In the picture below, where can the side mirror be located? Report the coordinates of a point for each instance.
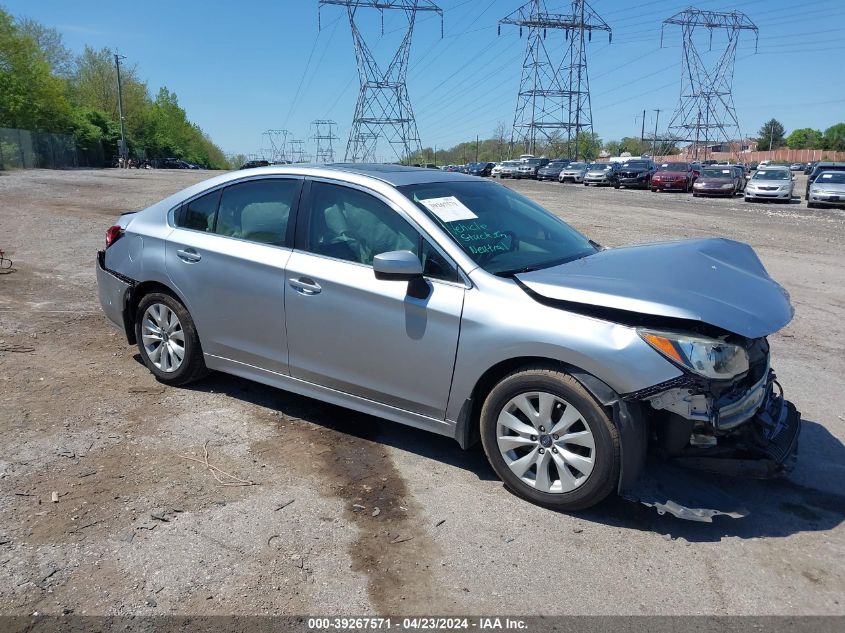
(397, 266)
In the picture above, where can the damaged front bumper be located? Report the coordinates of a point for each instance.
(763, 445)
(752, 431)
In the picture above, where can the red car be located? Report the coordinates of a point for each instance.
(680, 176)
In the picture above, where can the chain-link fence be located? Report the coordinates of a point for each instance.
(24, 149)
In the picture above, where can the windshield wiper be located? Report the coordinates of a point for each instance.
(549, 264)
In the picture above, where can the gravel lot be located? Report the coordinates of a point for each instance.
(139, 529)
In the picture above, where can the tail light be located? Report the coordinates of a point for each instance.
(113, 234)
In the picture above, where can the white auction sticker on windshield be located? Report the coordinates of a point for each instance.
(448, 209)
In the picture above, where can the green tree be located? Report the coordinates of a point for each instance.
(834, 137)
(30, 96)
(586, 146)
(804, 138)
(770, 135)
(49, 40)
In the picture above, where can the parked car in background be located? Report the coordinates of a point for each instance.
(173, 163)
(635, 173)
(828, 189)
(252, 164)
(455, 305)
(820, 168)
(808, 168)
(753, 165)
(480, 169)
(601, 174)
(507, 168)
(573, 172)
(552, 170)
(528, 167)
(742, 173)
(718, 181)
(797, 167)
(677, 176)
(770, 183)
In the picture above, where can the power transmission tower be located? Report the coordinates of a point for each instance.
(325, 137)
(274, 146)
(706, 114)
(384, 108)
(296, 151)
(554, 95)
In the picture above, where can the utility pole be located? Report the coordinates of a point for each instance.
(642, 134)
(123, 151)
(654, 140)
(476, 148)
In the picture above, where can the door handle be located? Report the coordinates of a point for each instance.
(188, 255)
(305, 285)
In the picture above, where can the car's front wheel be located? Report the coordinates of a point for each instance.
(167, 340)
(549, 440)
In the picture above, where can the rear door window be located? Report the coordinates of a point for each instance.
(199, 213)
(258, 210)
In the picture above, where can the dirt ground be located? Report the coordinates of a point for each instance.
(140, 529)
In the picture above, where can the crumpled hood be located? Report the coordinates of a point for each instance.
(715, 281)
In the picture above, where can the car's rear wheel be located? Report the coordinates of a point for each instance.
(167, 340)
(549, 441)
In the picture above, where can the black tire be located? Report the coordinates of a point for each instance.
(812, 205)
(603, 478)
(616, 186)
(192, 367)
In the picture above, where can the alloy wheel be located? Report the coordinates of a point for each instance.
(163, 337)
(546, 442)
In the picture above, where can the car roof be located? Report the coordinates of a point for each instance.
(395, 175)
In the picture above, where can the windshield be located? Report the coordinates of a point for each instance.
(772, 174)
(600, 167)
(831, 177)
(556, 165)
(500, 230)
(577, 166)
(635, 164)
(717, 173)
(531, 161)
(673, 167)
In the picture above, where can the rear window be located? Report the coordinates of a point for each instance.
(198, 214)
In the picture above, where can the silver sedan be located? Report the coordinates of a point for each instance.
(770, 184)
(453, 304)
(828, 189)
